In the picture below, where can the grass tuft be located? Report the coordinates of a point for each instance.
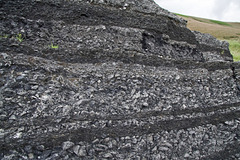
(234, 46)
(19, 37)
(3, 36)
(54, 46)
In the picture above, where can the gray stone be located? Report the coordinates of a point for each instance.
(40, 147)
(28, 149)
(2, 133)
(229, 122)
(31, 156)
(107, 155)
(76, 149)
(80, 151)
(13, 117)
(110, 76)
(100, 147)
(186, 155)
(66, 145)
(45, 154)
(1, 103)
(207, 42)
(113, 79)
(163, 148)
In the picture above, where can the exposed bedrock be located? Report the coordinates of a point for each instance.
(113, 79)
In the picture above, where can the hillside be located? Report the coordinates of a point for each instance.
(229, 31)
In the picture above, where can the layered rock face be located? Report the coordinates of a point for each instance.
(113, 79)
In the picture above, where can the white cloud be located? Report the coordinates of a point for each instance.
(220, 8)
(225, 10)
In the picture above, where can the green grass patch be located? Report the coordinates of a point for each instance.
(220, 23)
(234, 46)
(54, 46)
(3, 36)
(199, 19)
(182, 15)
(19, 37)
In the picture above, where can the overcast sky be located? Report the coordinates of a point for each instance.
(223, 10)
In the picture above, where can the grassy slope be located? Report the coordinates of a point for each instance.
(228, 31)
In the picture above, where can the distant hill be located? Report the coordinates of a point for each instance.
(229, 31)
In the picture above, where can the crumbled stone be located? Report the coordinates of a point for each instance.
(31, 156)
(107, 155)
(163, 148)
(66, 145)
(186, 155)
(18, 135)
(145, 104)
(80, 151)
(113, 79)
(13, 117)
